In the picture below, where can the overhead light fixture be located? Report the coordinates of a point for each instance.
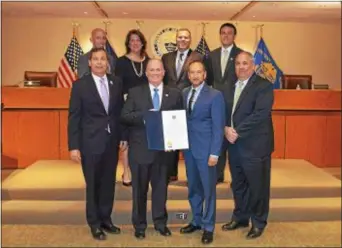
(85, 12)
(253, 16)
(124, 13)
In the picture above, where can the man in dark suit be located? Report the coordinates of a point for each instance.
(98, 39)
(221, 71)
(148, 165)
(176, 65)
(249, 130)
(206, 120)
(94, 137)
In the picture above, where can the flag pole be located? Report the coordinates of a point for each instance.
(139, 24)
(74, 30)
(106, 23)
(203, 32)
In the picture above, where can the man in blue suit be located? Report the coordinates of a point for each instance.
(249, 130)
(206, 119)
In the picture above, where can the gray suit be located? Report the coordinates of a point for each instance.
(215, 78)
(170, 78)
(83, 64)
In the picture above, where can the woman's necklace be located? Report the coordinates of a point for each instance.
(140, 73)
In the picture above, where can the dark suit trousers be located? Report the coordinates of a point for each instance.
(142, 175)
(221, 163)
(251, 188)
(172, 158)
(99, 171)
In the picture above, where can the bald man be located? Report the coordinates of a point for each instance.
(149, 166)
(249, 131)
(98, 39)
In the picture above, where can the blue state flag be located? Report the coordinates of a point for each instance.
(110, 50)
(266, 67)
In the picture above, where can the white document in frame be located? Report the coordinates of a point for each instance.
(175, 130)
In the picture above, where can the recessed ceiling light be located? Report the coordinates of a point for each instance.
(124, 13)
(85, 12)
(253, 16)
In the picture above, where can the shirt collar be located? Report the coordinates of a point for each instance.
(244, 82)
(152, 87)
(227, 49)
(184, 52)
(199, 88)
(97, 78)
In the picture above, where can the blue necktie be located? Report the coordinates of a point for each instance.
(155, 99)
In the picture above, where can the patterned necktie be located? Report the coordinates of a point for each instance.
(237, 94)
(179, 64)
(224, 60)
(104, 94)
(191, 101)
(155, 99)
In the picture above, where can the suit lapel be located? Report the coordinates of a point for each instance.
(165, 97)
(200, 97)
(185, 64)
(245, 91)
(93, 88)
(218, 62)
(111, 92)
(173, 63)
(147, 95)
(230, 62)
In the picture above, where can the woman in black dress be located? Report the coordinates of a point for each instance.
(131, 69)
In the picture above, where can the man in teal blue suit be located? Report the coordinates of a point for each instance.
(206, 120)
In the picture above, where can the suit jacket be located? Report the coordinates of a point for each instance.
(88, 119)
(138, 102)
(252, 118)
(214, 73)
(169, 61)
(205, 123)
(83, 64)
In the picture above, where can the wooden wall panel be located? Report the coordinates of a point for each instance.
(63, 134)
(279, 134)
(38, 136)
(332, 149)
(9, 139)
(305, 136)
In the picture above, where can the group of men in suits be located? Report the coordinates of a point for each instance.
(228, 107)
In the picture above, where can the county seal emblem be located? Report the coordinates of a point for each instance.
(164, 41)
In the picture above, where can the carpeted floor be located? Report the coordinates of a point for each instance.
(300, 234)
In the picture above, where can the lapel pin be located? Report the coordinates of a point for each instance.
(110, 82)
(166, 95)
(231, 58)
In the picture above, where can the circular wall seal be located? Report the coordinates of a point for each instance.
(164, 41)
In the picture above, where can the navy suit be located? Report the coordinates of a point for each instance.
(205, 132)
(88, 132)
(250, 156)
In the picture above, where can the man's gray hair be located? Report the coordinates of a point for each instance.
(249, 54)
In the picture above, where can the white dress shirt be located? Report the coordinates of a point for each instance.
(160, 91)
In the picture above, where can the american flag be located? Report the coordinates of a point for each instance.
(203, 47)
(66, 74)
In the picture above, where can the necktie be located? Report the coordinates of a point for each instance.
(155, 99)
(237, 94)
(104, 94)
(191, 101)
(179, 64)
(224, 60)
